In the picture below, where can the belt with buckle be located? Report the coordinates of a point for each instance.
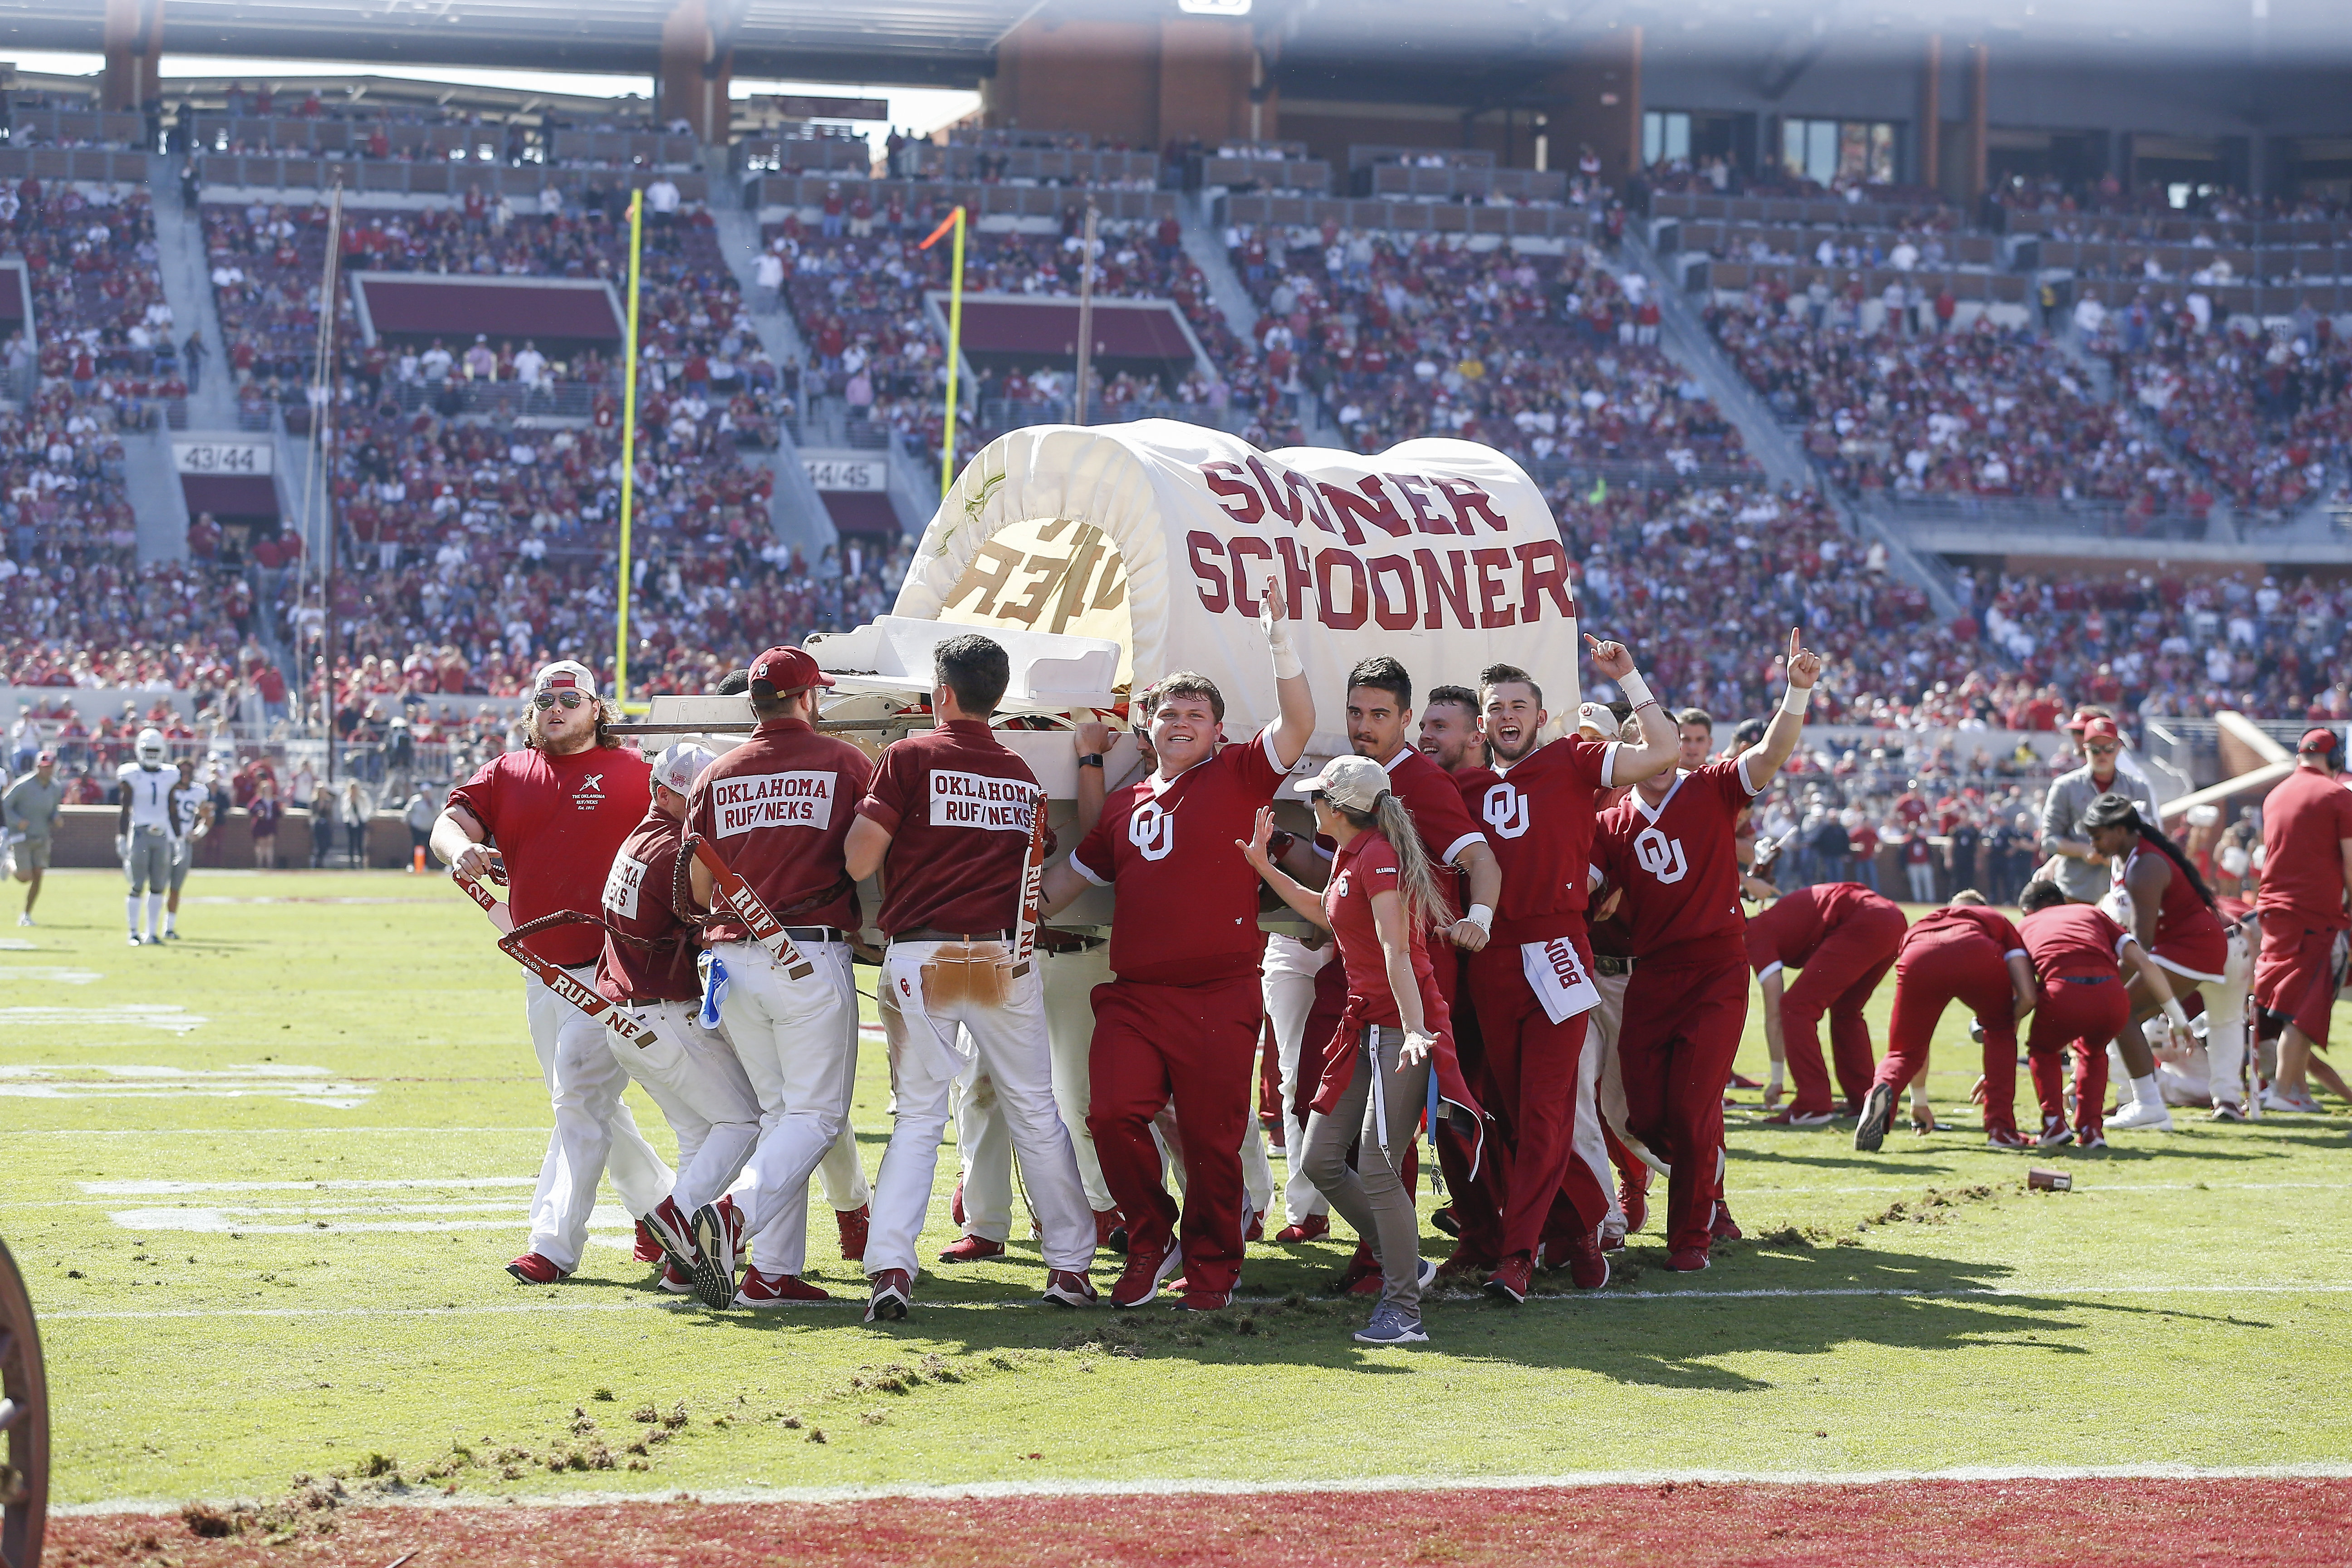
(1610, 964)
(924, 933)
(816, 933)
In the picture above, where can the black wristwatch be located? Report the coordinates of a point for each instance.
(1090, 760)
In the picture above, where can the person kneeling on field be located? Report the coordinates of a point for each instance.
(1380, 903)
(1971, 953)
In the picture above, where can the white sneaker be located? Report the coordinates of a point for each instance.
(2139, 1116)
(24, 920)
(135, 942)
(2274, 1100)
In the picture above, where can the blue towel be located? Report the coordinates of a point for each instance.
(714, 987)
(1432, 1112)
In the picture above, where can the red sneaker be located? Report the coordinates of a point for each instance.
(672, 1232)
(973, 1249)
(1587, 1269)
(1689, 1260)
(776, 1290)
(1510, 1279)
(1144, 1273)
(955, 1205)
(1106, 1226)
(676, 1280)
(1360, 1268)
(1724, 1227)
(1633, 1197)
(1741, 1080)
(854, 1225)
(893, 1294)
(1256, 1231)
(1446, 1221)
(2006, 1138)
(530, 1269)
(1204, 1301)
(1792, 1117)
(1308, 1229)
(1068, 1288)
(649, 1246)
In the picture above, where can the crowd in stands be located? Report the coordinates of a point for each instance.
(1542, 356)
(104, 325)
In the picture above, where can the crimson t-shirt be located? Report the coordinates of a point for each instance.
(637, 903)
(1167, 845)
(558, 822)
(1365, 869)
(2305, 820)
(1433, 798)
(777, 808)
(958, 806)
(2071, 939)
(1963, 922)
(1678, 863)
(1788, 932)
(1539, 813)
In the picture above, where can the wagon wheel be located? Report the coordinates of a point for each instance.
(24, 1415)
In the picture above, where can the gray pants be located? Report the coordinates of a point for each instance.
(1370, 1198)
(149, 864)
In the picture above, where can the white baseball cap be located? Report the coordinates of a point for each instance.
(1350, 782)
(564, 674)
(680, 763)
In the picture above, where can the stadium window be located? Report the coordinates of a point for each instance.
(1826, 150)
(1665, 135)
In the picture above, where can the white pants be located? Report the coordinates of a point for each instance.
(1601, 1091)
(1010, 1044)
(694, 1075)
(2216, 1073)
(982, 1142)
(797, 1040)
(593, 1132)
(1288, 980)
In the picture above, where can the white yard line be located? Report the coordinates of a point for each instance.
(1575, 1480)
(1962, 1292)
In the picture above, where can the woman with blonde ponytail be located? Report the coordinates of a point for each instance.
(1380, 904)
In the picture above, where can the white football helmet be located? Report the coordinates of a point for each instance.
(149, 749)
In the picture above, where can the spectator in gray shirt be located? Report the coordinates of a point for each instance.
(28, 814)
(2083, 871)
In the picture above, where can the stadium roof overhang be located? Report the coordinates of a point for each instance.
(1469, 52)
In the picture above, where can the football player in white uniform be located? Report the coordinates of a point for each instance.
(192, 818)
(143, 831)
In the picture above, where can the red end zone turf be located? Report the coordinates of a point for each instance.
(2280, 1522)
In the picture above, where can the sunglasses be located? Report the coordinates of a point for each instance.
(547, 699)
(2103, 751)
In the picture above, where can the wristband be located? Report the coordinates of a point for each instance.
(1482, 916)
(2177, 1013)
(1636, 689)
(1796, 700)
(1090, 760)
(1287, 666)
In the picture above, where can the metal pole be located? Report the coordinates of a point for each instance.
(1086, 320)
(318, 526)
(628, 449)
(955, 342)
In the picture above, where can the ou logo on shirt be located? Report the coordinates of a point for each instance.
(1152, 831)
(1660, 856)
(1505, 810)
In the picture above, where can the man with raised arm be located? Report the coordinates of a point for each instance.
(1179, 1017)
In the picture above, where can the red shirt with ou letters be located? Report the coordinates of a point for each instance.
(2071, 939)
(558, 822)
(2306, 820)
(1539, 813)
(1791, 931)
(1432, 799)
(777, 808)
(1678, 863)
(1167, 845)
(637, 892)
(959, 806)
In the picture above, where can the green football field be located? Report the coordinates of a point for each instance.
(263, 1181)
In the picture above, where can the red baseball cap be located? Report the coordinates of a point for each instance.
(2321, 742)
(787, 669)
(2101, 730)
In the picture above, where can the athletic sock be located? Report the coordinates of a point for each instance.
(154, 913)
(2147, 1093)
(171, 921)
(130, 909)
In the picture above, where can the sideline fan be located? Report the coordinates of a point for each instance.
(2306, 874)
